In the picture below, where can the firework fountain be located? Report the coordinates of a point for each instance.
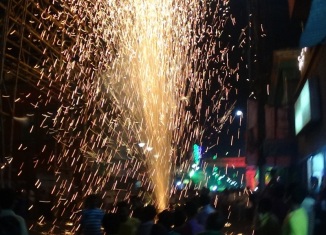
(147, 79)
(124, 73)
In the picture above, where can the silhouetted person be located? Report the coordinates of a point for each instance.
(191, 226)
(10, 223)
(164, 224)
(111, 223)
(321, 209)
(309, 204)
(136, 206)
(296, 221)
(147, 220)
(214, 224)
(267, 223)
(128, 225)
(92, 216)
(280, 208)
(205, 210)
(180, 217)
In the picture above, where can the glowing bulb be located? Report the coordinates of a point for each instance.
(213, 188)
(239, 113)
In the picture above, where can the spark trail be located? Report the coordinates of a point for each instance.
(148, 78)
(121, 73)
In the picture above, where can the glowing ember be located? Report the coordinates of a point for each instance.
(134, 84)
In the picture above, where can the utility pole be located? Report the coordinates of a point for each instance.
(258, 76)
(3, 44)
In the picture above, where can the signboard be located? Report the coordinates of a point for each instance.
(227, 161)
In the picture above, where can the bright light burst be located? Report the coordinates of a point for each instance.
(123, 73)
(147, 78)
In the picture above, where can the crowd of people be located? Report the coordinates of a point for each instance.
(290, 209)
(279, 209)
(196, 216)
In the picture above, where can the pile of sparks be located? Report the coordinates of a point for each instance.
(128, 73)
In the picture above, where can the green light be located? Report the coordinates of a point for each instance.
(213, 188)
(214, 157)
(186, 181)
(215, 171)
(196, 153)
(197, 176)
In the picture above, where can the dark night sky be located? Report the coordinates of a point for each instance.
(279, 32)
(232, 37)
